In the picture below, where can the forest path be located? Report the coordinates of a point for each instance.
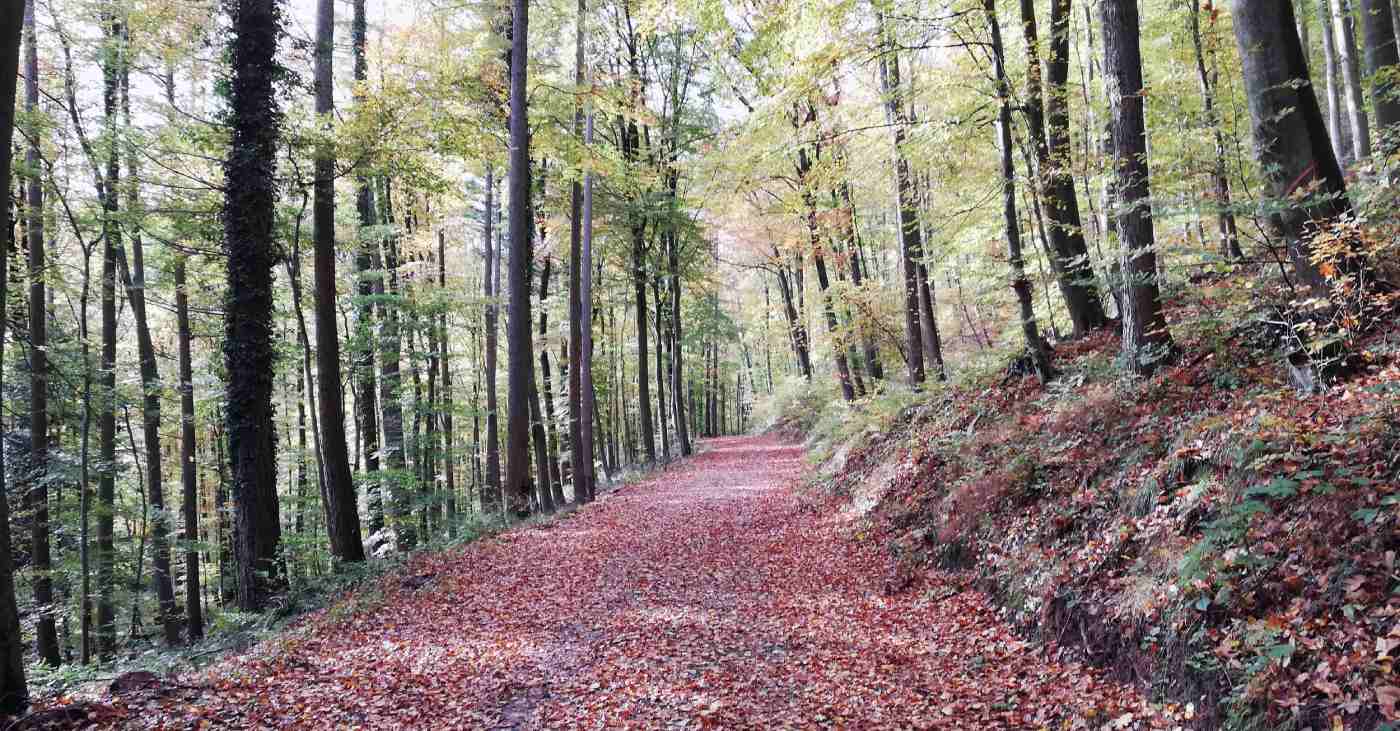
(709, 595)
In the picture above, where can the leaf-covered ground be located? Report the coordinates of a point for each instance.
(711, 595)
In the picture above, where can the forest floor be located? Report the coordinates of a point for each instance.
(716, 594)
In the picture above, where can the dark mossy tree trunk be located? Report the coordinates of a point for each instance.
(520, 365)
(14, 692)
(366, 262)
(491, 496)
(1225, 216)
(249, 351)
(1035, 348)
(338, 486)
(37, 500)
(1070, 252)
(1146, 340)
(194, 614)
(1290, 138)
(106, 613)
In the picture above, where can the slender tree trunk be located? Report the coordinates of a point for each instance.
(911, 245)
(14, 692)
(37, 499)
(550, 425)
(449, 436)
(1336, 123)
(1146, 340)
(391, 378)
(338, 488)
(1039, 359)
(107, 422)
(249, 350)
(658, 328)
(639, 291)
(1344, 25)
(580, 449)
(194, 616)
(491, 500)
(366, 264)
(1225, 217)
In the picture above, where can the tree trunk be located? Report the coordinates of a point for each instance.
(37, 499)
(911, 245)
(366, 263)
(639, 292)
(1336, 123)
(390, 376)
(249, 351)
(491, 498)
(519, 368)
(1146, 340)
(1047, 123)
(1290, 138)
(1225, 217)
(194, 616)
(449, 450)
(1381, 59)
(1344, 25)
(580, 449)
(1039, 359)
(338, 488)
(14, 692)
(550, 425)
(106, 615)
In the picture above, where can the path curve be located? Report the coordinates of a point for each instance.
(710, 595)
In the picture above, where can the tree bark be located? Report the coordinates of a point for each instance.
(1146, 340)
(194, 615)
(911, 245)
(366, 262)
(1381, 60)
(1336, 123)
(1344, 25)
(449, 447)
(1047, 121)
(1225, 217)
(37, 499)
(491, 501)
(249, 352)
(580, 451)
(107, 421)
(338, 488)
(390, 376)
(1039, 359)
(1290, 138)
(518, 338)
(14, 692)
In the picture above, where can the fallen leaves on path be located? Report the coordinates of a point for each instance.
(709, 596)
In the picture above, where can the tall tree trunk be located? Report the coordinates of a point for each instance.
(677, 374)
(550, 425)
(1047, 124)
(1225, 217)
(588, 399)
(1344, 25)
(366, 263)
(107, 422)
(37, 499)
(449, 450)
(658, 328)
(249, 352)
(911, 244)
(580, 450)
(1289, 135)
(639, 298)
(1336, 115)
(491, 500)
(797, 330)
(1381, 60)
(338, 488)
(194, 615)
(1039, 359)
(1146, 340)
(14, 692)
(518, 339)
(390, 377)
(870, 348)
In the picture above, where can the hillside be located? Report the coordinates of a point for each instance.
(1210, 534)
